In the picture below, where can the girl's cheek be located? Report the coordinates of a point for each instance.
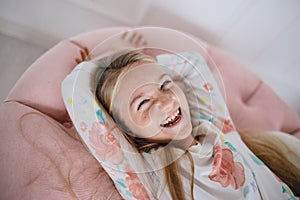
(149, 117)
(145, 118)
(141, 119)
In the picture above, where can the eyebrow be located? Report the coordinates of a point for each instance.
(136, 98)
(163, 75)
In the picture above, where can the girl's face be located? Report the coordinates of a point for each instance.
(151, 105)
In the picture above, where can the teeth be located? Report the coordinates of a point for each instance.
(171, 118)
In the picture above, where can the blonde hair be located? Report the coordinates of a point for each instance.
(110, 70)
(268, 147)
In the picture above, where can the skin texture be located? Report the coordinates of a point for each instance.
(145, 97)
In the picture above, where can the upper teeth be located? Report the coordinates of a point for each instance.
(171, 118)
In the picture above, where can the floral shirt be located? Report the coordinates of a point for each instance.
(224, 166)
(227, 169)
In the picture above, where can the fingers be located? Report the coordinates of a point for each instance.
(124, 35)
(134, 39)
(128, 39)
(77, 60)
(84, 55)
(138, 40)
(144, 44)
(131, 39)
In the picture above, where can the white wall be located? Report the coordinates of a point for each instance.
(262, 34)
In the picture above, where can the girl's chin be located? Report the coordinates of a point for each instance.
(184, 143)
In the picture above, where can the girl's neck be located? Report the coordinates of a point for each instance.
(185, 143)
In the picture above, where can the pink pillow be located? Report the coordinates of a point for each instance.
(39, 87)
(252, 104)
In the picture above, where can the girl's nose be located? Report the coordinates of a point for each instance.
(167, 102)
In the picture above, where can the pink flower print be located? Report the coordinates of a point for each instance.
(105, 144)
(225, 170)
(211, 108)
(136, 187)
(83, 126)
(208, 87)
(227, 126)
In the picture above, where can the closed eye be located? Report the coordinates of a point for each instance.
(165, 83)
(142, 103)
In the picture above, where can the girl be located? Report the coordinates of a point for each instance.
(154, 115)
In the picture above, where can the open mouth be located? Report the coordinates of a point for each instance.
(172, 120)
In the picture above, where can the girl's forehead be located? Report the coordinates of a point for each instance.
(142, 73)
(135, 78)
